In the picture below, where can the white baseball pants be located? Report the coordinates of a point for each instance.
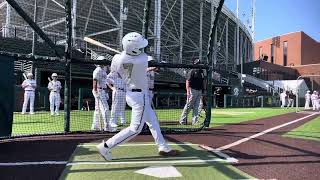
(141, 113)
(101, 107)
(283, 102)
(151, 94)
(290, 103)
(315, 104)
(118, 106)
(307, 104)
(28, 95)
(55, 101)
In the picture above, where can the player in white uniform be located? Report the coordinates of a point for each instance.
(29, 86)
(314, 100)
(132, 65)
(283, 96)
(101, 97)
(307, 99)
(150, 76)
(54, 87)
(118, 99)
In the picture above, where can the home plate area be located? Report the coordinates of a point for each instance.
(141, 161)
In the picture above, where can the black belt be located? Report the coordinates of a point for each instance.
(136, 90)
(29, 90)
(121, 89)
(102, 88)
(53, 91)
(151, 89)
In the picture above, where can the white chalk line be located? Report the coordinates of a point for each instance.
(219, 153)
(143, 144)
(195, 161)
(227, 158)
(261, 133)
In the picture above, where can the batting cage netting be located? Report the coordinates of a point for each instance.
(47, 113)
(52, 54)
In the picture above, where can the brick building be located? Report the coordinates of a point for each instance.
(292, 49)
(296, 51)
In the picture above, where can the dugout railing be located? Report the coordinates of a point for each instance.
(168, 102)
(231, 101)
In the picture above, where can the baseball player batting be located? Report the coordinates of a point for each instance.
(132, 65)
(118, 99)
(29, 86)
(54, 87)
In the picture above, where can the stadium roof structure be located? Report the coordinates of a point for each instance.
(173, 37)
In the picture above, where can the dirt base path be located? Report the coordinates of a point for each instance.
(269, 156)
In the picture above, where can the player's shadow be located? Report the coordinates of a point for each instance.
(183, 155)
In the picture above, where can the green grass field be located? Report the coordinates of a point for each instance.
(309, 130)
(43, 123)
(192, 163)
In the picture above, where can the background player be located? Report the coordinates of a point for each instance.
(118, 99)
(132, 65)
(307, 97)
(150, 76)
(54, 87)
(29, 86)
(99, 91)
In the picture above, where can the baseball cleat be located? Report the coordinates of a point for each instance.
(172, 152)
(31, 113)
(95, 128)
(104, 152)
(110, 129)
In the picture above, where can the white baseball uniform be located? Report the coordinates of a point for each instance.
(314, 100)
(118, 99)
(307, 104)
(133, 70)
(29, 88)
(54, 87)
(283, 96)
(150, 75)
(101, 99)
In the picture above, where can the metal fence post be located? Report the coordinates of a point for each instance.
(225, 101)
(67, 58)
(80, 99)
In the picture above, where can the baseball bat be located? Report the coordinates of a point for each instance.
(49, 79)
(24, 75)
(97, 43)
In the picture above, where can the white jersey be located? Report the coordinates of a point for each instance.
(54, 86)
(314, 97)
(283, 95)
(100, 75)
(150, 75)
(116, 80)
(133, 69)
(308, 96)
(29, 85)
